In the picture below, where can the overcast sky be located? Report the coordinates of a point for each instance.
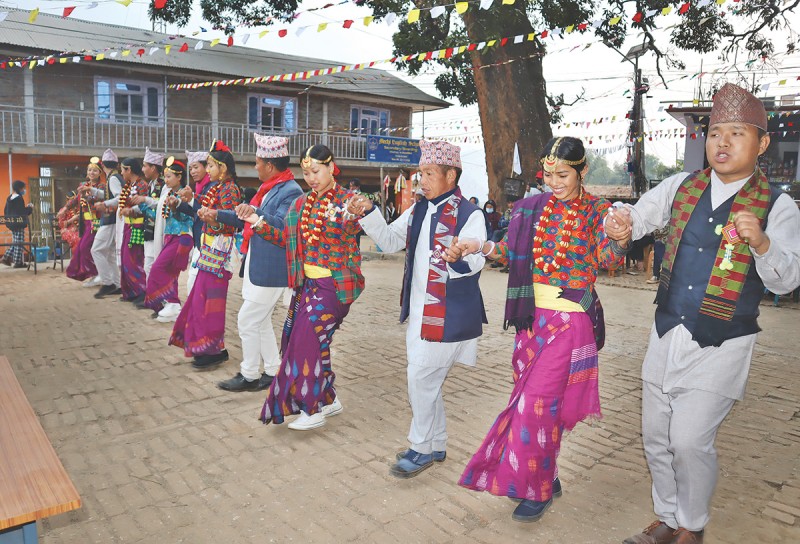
(597, 72)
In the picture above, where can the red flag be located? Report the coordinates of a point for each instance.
(68, 11)
(184, 48)
(638, 17)
(160, 4)
(89, 57)
(582, 27)
(503, 42)
(51, 61)
(348, 23)
(3, 65)
(544, 34)
(140, 52)
(282, 32)
(24, 63)
(694, 136)
(684, 8)
(230, 41)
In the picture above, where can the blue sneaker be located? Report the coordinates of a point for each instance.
(438, 456)
(528, 511)
(411, 464)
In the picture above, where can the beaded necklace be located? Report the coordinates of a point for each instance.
(564, 244)
(165, 208)
(123, 195)
(211, 196)
(320, 208)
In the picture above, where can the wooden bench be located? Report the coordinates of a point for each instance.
(33, 482)
(28, 247)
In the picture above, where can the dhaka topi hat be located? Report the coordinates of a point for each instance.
(152, 157)
(271, 147)
(196, 156)
(732, 104)
(110, 156)
(439, 152)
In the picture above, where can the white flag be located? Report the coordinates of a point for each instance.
(516, 167)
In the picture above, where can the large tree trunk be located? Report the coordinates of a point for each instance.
(512, 98)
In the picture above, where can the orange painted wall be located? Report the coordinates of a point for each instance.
(23, 167)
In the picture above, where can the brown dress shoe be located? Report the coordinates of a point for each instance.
(685, 536)
(657, 532)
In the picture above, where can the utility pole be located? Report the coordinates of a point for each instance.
(637, 132)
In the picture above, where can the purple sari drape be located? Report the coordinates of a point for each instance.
(81, 266)
(305, 379)
(162, 283)
(132, 276)
(200, 327)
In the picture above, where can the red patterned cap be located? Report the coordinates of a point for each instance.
(732, 104)
(271, 147)
(439, 152)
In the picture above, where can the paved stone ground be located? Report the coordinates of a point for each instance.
(160, 455)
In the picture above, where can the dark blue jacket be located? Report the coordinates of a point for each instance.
(267, 261)
(191, 211)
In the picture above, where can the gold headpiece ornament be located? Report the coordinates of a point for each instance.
(308, 160)
(95, 161)
(173, 161)
(550, 161)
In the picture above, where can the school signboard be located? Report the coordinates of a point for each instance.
(388, 149)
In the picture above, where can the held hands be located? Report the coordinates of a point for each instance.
(173, 202)
(252, 218)
(619, 225)
(135, 200)
(244, 210)
(461, 248)
(748, 227)
(207, 215)
(125, 212)
(100, 207)
(186, 194)
(359, 205)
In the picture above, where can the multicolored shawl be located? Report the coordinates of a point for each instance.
(724, 286)
(436, 290)
(520, 301)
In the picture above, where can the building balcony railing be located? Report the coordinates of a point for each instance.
(43, 128)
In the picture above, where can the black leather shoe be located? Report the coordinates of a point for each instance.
(207, 362)
(105, 291)
(20, 265)
(138, 301)
(239, 383)
(264, 381)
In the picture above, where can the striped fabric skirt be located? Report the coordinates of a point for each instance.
(200, 327)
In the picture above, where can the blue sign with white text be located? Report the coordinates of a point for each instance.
(392, 150)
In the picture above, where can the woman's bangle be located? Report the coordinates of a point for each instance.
(486, 254)
(257, 223)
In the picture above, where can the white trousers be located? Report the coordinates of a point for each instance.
(149, 256)
(679, 430)
(192, 271)
(258, 338)
(119, 233)
(428, 430)
(104, 255)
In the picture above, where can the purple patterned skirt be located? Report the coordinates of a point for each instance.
(162, 283)
(200, 327)
(132, 277)
(81, 266)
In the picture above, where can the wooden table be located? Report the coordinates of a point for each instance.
(33, 482)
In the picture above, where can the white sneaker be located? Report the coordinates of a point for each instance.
(305, 422)
(333, 409)
(169, 313)
(92, 282)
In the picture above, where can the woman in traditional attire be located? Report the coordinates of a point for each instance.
(559, 322)
(68, 219)
(325, 273)
(132, 276)
(81, 265)
(200, 326)
(172, 245)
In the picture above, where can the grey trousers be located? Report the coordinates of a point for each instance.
(679, 429)
(104, 254)
(428, 431)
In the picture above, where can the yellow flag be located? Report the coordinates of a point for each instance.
(461, 7)
(490, 43)
(63, 60)
(508, 2)
(782, 82)
(368, 20)
(125, 3)
(441, 53)
(214, 42)
(413, 16)
(166, 49)
(263, 33)
(666, 10)
(101, 56)
(570, 28)
(126, 52)
(720, 2)
(462, 49)
(614, 21)
(421, 57)
(322, 26)
(31, 64)
(34, 14)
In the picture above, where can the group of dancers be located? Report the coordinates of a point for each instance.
(730, 236)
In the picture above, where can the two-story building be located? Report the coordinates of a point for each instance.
(54, 117)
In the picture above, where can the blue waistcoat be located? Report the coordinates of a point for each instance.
(266, 260)
(691, 271)
(110, 218)
(464, 313)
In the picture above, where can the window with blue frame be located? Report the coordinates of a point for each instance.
(127, 101)
(268, 113)
(368, 121)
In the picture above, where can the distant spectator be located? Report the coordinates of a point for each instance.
(418, 195)
(474, 200)
(355, 185)
(15, 207)
(492, 217)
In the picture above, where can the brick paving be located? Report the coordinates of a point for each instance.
(160, 455)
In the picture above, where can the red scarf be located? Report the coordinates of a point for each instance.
(265, 188)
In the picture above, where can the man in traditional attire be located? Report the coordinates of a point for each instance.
(153, 168)
(265, 269)
(104, 248)
(442, 301)
(730, 235)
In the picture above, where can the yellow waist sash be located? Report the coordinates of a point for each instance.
(315, 272)
(88, 216)
(546, 296)
(134, 220)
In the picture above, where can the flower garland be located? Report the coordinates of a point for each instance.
(123, 196)
(320, 208)
(563, 245)
(211, 196)
(165, 208)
